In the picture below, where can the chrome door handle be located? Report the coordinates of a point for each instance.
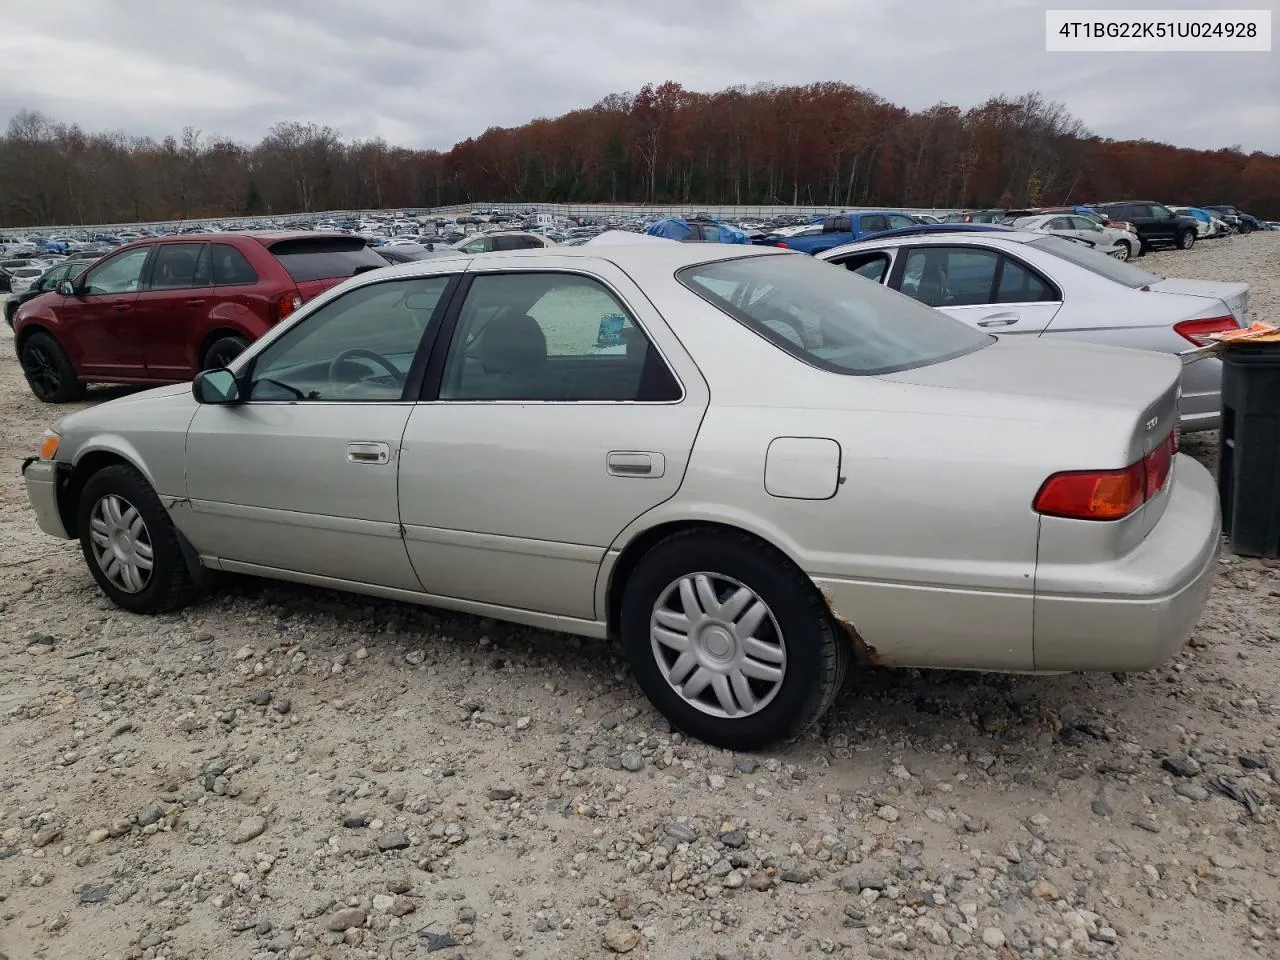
(999, 320)
(635, 463)
(368, 451)
(194, 303)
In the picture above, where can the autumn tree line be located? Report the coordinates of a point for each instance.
(824, 144)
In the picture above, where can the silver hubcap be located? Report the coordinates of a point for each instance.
(121, 543)
(718, 645)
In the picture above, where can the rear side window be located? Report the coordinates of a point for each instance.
(1020, 285)
(230, 268)
(829, 318)
(874, 223)
(324, 258)
(175, 266)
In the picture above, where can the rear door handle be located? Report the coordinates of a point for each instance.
(999, 320)
(635, 463)
(368, 451)
(120, 307)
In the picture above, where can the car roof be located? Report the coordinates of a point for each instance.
(645, 256)
(949, 237)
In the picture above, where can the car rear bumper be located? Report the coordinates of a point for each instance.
(1135, 612)
(43, 482)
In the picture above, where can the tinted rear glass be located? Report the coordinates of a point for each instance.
(832, 319)
(1096, 262)
(324, 258)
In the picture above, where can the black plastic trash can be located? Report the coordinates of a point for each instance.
(1249, 448)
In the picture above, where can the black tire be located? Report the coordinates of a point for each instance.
(1128, 251)
(169, 584)
(222, 351)
(10, 311)
(49, 373)
(1246, 228)
(1186, 239)
(817, 654)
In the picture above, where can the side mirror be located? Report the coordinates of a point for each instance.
(67, 288)
(218, 386)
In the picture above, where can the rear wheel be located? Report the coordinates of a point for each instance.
(222, 351)
(48, 371)
(1186, 239)
(730, 641)
(130, 544)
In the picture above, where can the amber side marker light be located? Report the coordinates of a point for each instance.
(49, 446)
(1107, 494)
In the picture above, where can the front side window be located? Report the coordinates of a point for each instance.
(53, 278)
(897, 220)
(828, 318)
(551, 337)
(478, 245)
(950, 276)
(118, 275)
(874, 223)
(356, 348)
(175, 266)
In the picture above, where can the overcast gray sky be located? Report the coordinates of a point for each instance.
(430, 74)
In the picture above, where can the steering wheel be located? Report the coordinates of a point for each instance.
(358, 354)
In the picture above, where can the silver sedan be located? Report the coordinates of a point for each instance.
(1023, 284)
(753, 470)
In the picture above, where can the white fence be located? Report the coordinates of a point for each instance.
(570, 210)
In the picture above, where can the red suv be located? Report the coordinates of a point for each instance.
(161, 310)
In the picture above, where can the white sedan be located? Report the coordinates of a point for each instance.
(1114, 242)
(1021, 282)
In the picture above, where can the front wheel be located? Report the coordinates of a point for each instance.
(730, 641)
(1122, 252)
(1186, 239)
(130, 544)
(10, 311)
(48, 370)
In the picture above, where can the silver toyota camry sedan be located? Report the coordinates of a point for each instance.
(753, 470)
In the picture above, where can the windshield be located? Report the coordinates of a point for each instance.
(829, 317)
(1094, 262)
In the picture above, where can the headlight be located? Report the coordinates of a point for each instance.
(49, 445)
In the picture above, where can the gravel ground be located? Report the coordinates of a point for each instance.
(284, 772)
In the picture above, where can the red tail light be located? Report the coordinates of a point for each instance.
(1107, 494)
(783, 244)
(284, 305)
(1197, 331)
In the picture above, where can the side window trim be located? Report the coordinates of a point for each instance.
(443, 342)
(417, 367)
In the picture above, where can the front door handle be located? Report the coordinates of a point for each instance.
(368, 451)
(635, 463)
(194, 303)
(120, 307)
(999, 320)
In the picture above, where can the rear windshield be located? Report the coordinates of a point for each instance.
(829, 317)
(324, 258)
(1095, 262)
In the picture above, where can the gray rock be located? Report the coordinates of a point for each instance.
(1192, 791)
(746, 765)
(863, 881)
(281, 705)
(250, 828)
(501, 793)
(345, 920)
(721, 868)
(262, 698)
(46, 835)
(149, 814)
(355, 821)
(795, 876)
(1252, 761)
(734, 838)
(1101, 808)
(632, 761)
(1147, 824)
(94, 894)
(680, 832)
(620, 937)
(393, 840)
(993, 937)
(1180, 765)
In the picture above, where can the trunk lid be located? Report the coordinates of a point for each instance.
(1234, 295)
